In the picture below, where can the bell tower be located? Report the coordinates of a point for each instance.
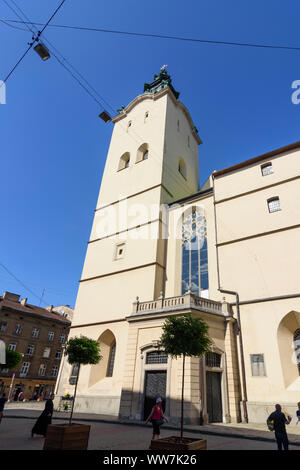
(152, 160)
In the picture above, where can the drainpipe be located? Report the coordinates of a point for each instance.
(244, 401)
(244, 386)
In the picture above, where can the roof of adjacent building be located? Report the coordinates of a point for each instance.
(33, 310)
(264, 156)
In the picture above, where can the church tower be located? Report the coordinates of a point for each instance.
(152, 161)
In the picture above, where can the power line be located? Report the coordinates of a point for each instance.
(22, 283)
(63, 63)
(34, 39)
(161, 36)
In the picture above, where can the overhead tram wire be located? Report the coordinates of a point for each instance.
(162, 36)
(34, 39)
(66, 64)
(62, 60)
(175, 175)
(22, 283)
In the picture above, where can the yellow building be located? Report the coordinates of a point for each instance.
(160, 245)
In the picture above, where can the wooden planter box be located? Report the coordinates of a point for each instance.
(67, 437)
(176, 443)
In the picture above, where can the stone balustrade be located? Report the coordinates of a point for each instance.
(186, 301)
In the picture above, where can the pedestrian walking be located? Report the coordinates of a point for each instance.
(298, 413)
(3, 400)
(44, 419)
(279, 420)
(157, 418)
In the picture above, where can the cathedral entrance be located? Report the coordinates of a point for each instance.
(155, 386)
(214, 396)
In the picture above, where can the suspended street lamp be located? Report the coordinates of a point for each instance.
(42, 51)
(105, 116)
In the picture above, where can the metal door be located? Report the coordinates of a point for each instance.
(214, 397)
(155, 386)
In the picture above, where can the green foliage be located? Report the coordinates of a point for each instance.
(83, 350)
(13, 358)
(185, 335)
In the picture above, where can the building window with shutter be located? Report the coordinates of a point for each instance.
(266, 169)
(46, 352)
(35, 333)
(18, 329)
(30, 349)
(42, 370)
(274, 204)
(24, 369)
(258, 365)
(51, 336)
(3, 325)
(58, 354)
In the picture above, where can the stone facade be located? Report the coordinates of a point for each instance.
(245, 221)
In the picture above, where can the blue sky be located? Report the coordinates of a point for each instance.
(53, 145)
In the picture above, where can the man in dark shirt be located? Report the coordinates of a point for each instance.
(280, 420)
(2, 403)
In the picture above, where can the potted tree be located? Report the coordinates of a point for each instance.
(71, 436)
(184, 336)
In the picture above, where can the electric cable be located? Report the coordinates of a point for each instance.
(163, 36)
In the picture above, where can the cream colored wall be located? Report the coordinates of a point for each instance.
(260, 326)
(262, 267)
(112, 297)
(249, 178)
(249, 215)
(176, 146)
(139, 176)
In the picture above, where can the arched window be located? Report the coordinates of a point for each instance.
(111, 360)
(297, 348)
(124, 161)
(182, 167)
(105, 367)
(74, 374)
(194, 275)
(142, 153)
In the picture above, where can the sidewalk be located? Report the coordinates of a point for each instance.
(251, 431)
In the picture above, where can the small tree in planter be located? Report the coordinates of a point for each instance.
(71, 436)
(184, 336)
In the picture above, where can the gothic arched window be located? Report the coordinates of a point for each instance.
(194, 253)
(124, 161)
(297, 348)
(111, 361)
(142, 153)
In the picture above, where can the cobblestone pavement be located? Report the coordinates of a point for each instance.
(15, 435)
